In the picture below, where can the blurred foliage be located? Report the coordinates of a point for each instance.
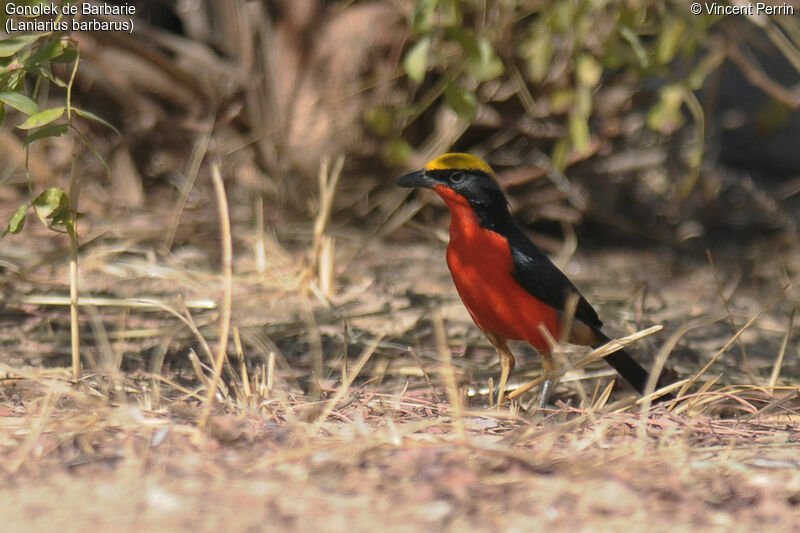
(565, 50)
(276, 87)
(566, 44)
(26, 69)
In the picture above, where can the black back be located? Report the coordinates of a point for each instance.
(533, 270)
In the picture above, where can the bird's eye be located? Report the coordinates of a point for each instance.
(457, 177)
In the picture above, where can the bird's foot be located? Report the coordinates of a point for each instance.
(496, 396)
(547, 386)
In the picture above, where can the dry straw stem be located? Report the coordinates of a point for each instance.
(776, 369)
(696, 399)
(37, 427)
(260, 248)
(602, 399)
(74, 330)
(782, 403)
(756, 75)
(733, 339)
(652, 382)
(450, 377)
(727, 307)
(237, 342)
(315, 339)
(186, 318)
(227, 290)
(347, 382)
(144, 304)
(328, 181)
(594, 355)
(778, 38)
(559, 357)
(193, 168)
(425, 374)
(658, 366)
(586, 417)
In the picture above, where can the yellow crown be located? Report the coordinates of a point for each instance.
(456, 161)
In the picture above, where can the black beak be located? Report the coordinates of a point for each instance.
(416, 179)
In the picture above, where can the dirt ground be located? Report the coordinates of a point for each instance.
(652, 151)
(385, 441)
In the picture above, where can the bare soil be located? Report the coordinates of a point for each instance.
(287, 449)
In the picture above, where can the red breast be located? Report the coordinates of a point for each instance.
(480, 263)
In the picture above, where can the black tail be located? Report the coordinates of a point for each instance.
(629, 369)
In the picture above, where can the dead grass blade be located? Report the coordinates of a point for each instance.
(695, 399)
(193, 168)
(652, 380)
(594, 355)
(733, 339)
(137, 303)
(74, 327)
(776, 369)
(314, 338)
(449, 377)
(247, 396)
(227, 291)
(37, 427)
(344, 388)
(726, 305)
(602, 400)
(427, 376)
(328, 181)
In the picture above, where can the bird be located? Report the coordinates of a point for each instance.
(510, 288)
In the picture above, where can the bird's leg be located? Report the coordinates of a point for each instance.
(549, 373)
(506, 363)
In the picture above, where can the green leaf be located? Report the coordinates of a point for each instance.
(450, 13)
(636, 45)
(53, 204)
(17, 221)
(42, 118)
(416, 60)
(563, 16)
(667, 115)
(379, 120)
(460, 100)
(2, 113)
(485, 65)
(67, 56)
(9, 47)
(43, 71)
(398, 152)
(582, 106)
(48, 51)
(560, 152)
(579, 134)
(91, 116)
(20, 102)
(588, 70)
(422, 18)
(671, 33)
(562, 100)
(539, 53)
(54, 130)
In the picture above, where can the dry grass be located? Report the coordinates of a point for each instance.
(324, 418)
(257, 358)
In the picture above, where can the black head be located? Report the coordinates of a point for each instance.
(463, 178)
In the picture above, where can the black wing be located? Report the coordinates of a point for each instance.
(541, 278)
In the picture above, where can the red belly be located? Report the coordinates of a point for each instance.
(482, 268)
